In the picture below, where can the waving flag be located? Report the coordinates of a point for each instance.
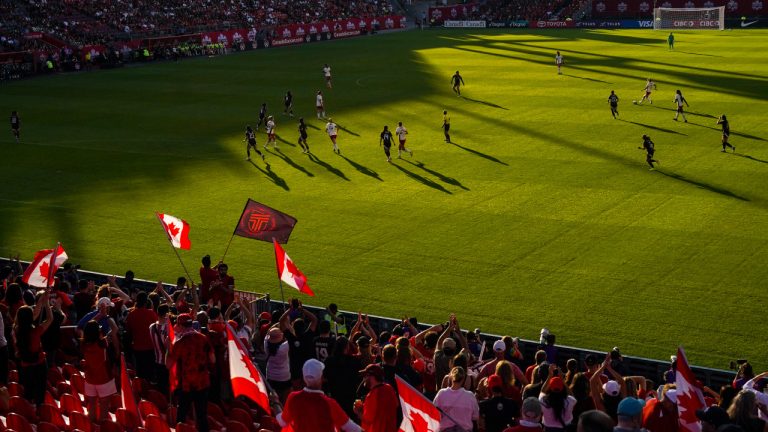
(264, 223)
(176, 229)
(44, 266)
(288, 273)
(126, 391)
(246, 379)
(172, 369)
(419, 415)
(689, 396)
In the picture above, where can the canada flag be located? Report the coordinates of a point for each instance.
(419, 415)
(246, 379)
(689, 396)
(177, 230)
(43, 267)
(288, 273)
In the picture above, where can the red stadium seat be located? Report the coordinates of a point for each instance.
(15, 389)
(47, 427)
(243, 417)
(185, 427)
(157, 398)
(156, 424)
(22, 407)
(140, 386)
(127, 419)
(110, 426)
(236, 426)
(68, 370)
(216, 412)
(70, 403)
(55, 376)
(78, 420)
(51, 414)
(49, 399)
(77, 382)
(115, 402)
(18, 423)
(147, 408)
(13, 375)
(63, 387)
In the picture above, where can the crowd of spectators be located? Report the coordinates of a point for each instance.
(530, 10)
(326, 371)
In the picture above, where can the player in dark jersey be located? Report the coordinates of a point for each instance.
(288, 101)
(457, 82)
(613, 100)
(15, 125)
(303, 135)
(650, 149)
(262, 115)
(250, 139)
(726, 132)
(386, 139)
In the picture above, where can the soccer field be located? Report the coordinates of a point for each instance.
(542, 213)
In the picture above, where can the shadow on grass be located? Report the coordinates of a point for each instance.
(743, 135)
(282, 140)
(660, 129)
(588, 79)
(490, 104)
(311, 126)
(702, 185)
(687, 112)
(290, 162)
(481, 154)
(362, 168)
(698, 54)
(347, 130)
(272, 176)
(749, 157)
(423, 180)
(326, 165)
(443, 178)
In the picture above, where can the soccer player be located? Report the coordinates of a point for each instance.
(680, 100)
(650, 149)
(401, 132)
(649, 87)
(288, 101)
(559, 63)
(332, 130)
(270, 133)
(386, 140)
(671, 41)
(319, 105)
(457, 82)
(15, 125)
(446, 126)
(303, 135)
(327, 74)
(250, 139)
(613, 100)
(262, 115)
(726, 132)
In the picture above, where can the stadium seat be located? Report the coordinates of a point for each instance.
(13, 375)
(63, 387)
(157, 398)
(127, 419)
(140, 386)
(185, 427)
(156, 424)
(78, 420)
(15, 389)
(70, 403)
(51, 414)
(243, 417)
(77, 382)
(68, 370)
(47, 427)
(110, 426)
(236, 426)
(216, 412)
(269, 422)
(18, 423)
(115, 402)
(49, 399)
(147, 408)
(214, 424)
(55, 377)
(22, 407)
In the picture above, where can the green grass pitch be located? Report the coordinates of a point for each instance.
(541, 214)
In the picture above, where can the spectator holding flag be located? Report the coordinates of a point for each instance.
(379, 411)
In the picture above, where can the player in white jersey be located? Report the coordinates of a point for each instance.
(649, 87)
(320, 105)
(680, 100)
(332, 130)
(401, 132)
(327, 75)
(270, 133)
(559, 63)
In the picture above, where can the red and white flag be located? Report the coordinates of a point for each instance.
(288, 273)
(689, 396)
(177, 230)
(172, 369)
(419, 415)
(246, 379)
(126, 391)
(43, 267)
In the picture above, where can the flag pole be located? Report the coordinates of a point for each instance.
(51, 265)
(235, 230)
(227, 248)
(280, 281)
(189, 278)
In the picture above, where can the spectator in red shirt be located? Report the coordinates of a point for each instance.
(137, 324)
(661, 415)
(99, 382)
(310, 410)
(379, 412)
(192, 355)
(27, 335)
(222, 288)
(207, 275)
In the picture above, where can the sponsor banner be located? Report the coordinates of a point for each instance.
(438, 15)
(690, 24)
(746, 23)
(508, 24)
(287, 41)
(635, 8)
(552, 24)
(464, 24)
(637, 24)
(226, 37)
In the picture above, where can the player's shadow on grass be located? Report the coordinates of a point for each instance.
(588, 79)
(703, 185)
(272, 176)
(443, 178)
(282, 140)
(347, 130)
(423, 180)
(741, 134)
(481, 154)
(490, 104)
(329, 167)
(362, 168)
(749, 157)
(290, 162)
(687, 112)
(311, 126)
(698, 54)
(660, 129)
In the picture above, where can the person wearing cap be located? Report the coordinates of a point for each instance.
(192, 356)
(530, 417)
(498, 412)
(106, 322)
(629, 415)
(557, 405)
(607, 396)
(364, 353)
(448, 348)
(378, 413)
(499, 352)
(278, 362)
(595, 421)
(332, 315)
(661, 415)
(712, 418)
(310, 410)
(458, 406)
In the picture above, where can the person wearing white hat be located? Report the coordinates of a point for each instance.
(499, 352)
(661, 414)
(607, 396)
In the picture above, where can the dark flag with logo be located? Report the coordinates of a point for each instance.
(264, 223)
